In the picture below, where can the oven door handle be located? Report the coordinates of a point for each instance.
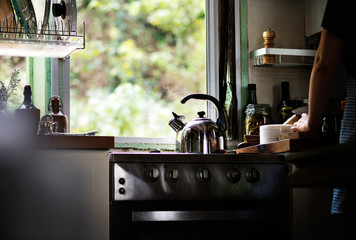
(156, 216)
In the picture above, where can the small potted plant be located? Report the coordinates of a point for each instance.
(7, 91)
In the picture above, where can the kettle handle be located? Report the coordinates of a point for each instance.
(221, 119)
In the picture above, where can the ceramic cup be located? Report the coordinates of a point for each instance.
(270, 133)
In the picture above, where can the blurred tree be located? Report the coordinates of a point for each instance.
(141, 58)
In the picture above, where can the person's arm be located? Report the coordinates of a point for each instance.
(326, 64)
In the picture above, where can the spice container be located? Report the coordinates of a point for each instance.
(268, 37)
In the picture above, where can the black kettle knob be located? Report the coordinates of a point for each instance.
(221, 119)
(201, 114)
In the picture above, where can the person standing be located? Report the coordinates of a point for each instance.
(337, 46)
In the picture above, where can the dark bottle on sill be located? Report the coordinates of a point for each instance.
(55, 108)
(251, 97)
(285, 106)
(250, 106)
(251, 94)
(27, 115)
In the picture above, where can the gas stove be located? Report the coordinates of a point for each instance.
(157, 195)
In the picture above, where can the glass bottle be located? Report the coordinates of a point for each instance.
(27, 115)
(55, 108)
(251, 94)
(256, 116)
(251, 101)
(285, 106)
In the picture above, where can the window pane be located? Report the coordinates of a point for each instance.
(141, 58)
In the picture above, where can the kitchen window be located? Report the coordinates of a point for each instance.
(150, 108)
(66, 69)
(141, 59)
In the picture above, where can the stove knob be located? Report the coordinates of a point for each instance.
(233, 175)
(122, 190)
(204, 174)
(252, 175)
(173, 174)
(153, 174)
(122, 181)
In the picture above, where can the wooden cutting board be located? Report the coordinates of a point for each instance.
(301, 135)
(291, 142)
(270, 148)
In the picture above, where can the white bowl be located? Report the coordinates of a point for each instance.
(270, 133)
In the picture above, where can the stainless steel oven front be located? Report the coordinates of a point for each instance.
(197, 196)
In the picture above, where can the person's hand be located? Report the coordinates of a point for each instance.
(301, 125)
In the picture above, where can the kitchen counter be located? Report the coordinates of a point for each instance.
(74, 142)
(313, 175)
(54, 193)
(328, 166)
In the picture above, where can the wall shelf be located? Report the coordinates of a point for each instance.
(305, 57)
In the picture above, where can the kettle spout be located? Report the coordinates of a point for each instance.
(176, 122)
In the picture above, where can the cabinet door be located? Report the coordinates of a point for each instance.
(55, 194)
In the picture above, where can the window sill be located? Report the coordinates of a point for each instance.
(148, 144)
(145, 143)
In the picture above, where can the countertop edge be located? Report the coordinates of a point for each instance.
(74, 142)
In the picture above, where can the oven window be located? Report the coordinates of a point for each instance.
(199, 220)
(141, 58)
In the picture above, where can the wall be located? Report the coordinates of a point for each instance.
(286, 19)
(291, 20)
(314, 11)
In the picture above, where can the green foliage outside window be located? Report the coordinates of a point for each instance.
(141, 58)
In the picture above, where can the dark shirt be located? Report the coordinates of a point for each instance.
(340, 19)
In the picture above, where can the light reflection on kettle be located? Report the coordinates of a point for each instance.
(200, 135)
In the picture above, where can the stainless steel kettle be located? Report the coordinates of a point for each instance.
(200, 135)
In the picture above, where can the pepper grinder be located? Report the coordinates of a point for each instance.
(55, 108)
(268, 37)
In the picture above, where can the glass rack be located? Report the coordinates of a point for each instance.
(57, 40)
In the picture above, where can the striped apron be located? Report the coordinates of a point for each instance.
(347, 134)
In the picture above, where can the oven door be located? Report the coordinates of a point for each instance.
(245, 219)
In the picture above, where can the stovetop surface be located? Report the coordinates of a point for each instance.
(164, 176)
(192, 158)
